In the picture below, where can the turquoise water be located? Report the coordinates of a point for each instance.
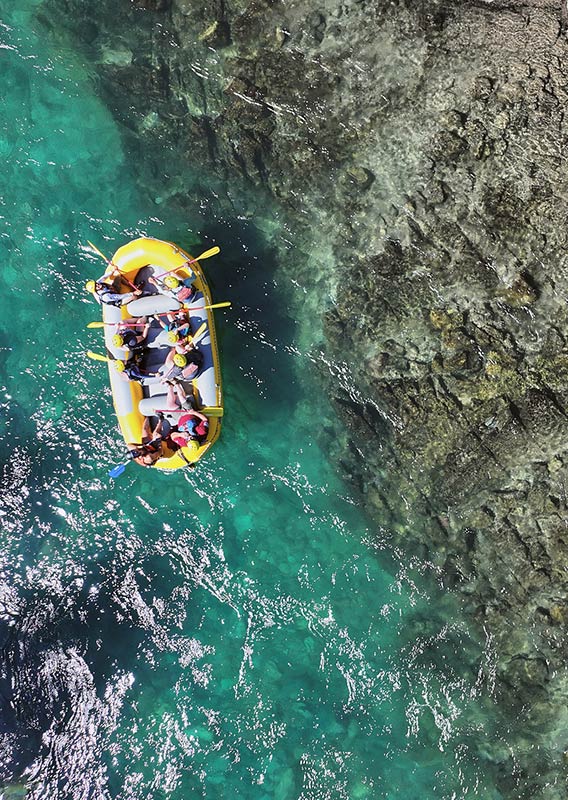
(238, 631)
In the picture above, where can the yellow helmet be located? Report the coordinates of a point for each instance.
(193, 445)
(117, 340)
(171, 281)
(119, 366)
(90, 286)
(173, 337)
(180, 360)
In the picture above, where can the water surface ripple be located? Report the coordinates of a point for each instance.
(237, 631)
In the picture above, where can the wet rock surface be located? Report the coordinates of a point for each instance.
(426, 144)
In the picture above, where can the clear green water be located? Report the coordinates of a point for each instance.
(240, 631)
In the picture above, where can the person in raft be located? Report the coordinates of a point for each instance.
(176, 324)
(183, 347)
(128, 337)
(177, 398)
(181, 367)
(180, 289)
(151, 447)
(191, 427)
(132, 372)
(106, 289)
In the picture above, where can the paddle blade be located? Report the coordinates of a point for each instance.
(208, 253)
(212, 411)
(96, 356)
(199, 332)
(96, 325)
(116, 471)
(225, 304)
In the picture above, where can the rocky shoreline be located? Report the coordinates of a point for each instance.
(425, 143)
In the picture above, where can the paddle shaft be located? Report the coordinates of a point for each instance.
(207, 254)
(208, 411)
(225, 304)
(112, 264)
(177, 411)
(100, 357)
(175, 269)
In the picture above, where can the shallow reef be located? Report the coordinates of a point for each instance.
(416, 152)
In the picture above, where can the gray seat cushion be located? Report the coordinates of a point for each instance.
(154, 304)
(148, 405)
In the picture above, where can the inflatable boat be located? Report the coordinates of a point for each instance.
(144, 262)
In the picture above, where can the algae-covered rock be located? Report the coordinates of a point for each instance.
(443, 319)
(520, 293)
(499, 365)
(361, 177)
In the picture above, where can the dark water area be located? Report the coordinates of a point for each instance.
(242, 630)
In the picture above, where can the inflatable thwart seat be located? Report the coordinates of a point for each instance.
(137, 261)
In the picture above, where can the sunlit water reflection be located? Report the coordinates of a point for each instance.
(236, 631)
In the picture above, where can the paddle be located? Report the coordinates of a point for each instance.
(98, 356)
(134, 454)
(209, 411)
(118, 470)
(225, 304)
(121, 324)
(198, 333)
(193, 337)
(111, 264)
(207, 254)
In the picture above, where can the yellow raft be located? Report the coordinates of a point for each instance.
(137, 261)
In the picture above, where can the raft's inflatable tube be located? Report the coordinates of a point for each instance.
(138, 260)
